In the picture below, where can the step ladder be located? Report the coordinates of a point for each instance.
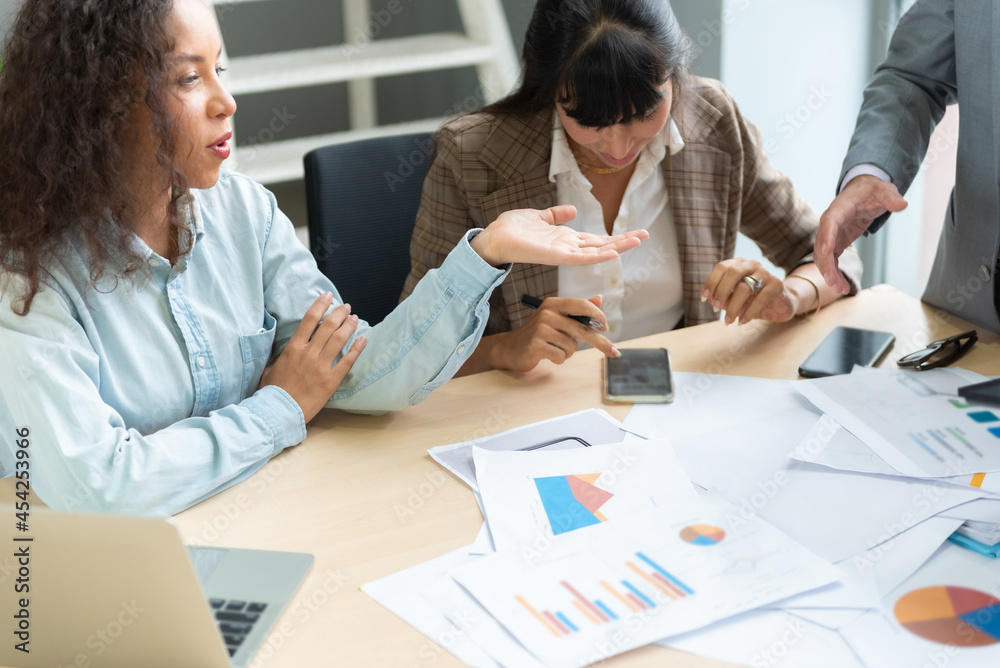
(358, 61)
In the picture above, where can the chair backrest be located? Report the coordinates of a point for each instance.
(362, 199)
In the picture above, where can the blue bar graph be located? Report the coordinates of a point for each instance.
(605, 609)
(642, 597)
(659, 569)
(565, 620)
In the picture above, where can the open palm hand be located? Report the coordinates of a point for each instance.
(537, 237)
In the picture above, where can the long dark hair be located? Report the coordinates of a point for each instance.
(603, 60)
(73, 74)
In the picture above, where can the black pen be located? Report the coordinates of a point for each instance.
(585, 320)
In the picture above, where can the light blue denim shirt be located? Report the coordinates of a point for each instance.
(141, 396)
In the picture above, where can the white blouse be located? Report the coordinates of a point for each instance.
(642, 288)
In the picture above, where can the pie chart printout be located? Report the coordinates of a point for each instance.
(951, 615)
(702, 534)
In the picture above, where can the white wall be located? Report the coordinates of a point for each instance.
(7, 8)
(797, 70)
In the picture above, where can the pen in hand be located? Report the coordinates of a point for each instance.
(585, 320)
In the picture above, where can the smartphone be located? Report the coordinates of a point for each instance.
(843, 348)
(639, 375)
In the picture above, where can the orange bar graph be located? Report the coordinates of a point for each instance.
(614, 592)
(650, 580)
(667, 583)
(586, 613)
(552, 629)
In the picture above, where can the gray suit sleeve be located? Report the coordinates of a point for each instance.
(907, 95)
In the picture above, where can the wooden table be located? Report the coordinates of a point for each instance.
(363, 496)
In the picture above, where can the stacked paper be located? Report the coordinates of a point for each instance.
(753, 521)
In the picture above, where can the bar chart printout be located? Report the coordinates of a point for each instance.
(913, 421)
(650, 586)
(633, 580)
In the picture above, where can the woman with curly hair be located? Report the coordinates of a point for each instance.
(162, 331)
(607, 119)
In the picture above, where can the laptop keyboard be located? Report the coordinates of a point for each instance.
(235, 620)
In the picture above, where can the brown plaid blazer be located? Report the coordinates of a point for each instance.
(720, 184)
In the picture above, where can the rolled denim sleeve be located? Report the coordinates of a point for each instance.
(417, 348)
(426, 339)
(83, 455)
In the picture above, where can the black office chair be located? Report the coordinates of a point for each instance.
(362, 199)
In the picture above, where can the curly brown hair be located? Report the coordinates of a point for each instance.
(73, 74)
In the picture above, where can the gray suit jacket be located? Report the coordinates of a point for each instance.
(944, 52)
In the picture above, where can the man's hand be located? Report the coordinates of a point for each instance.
(864, 199)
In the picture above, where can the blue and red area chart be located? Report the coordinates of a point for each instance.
(572, 501)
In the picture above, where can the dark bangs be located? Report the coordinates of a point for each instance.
(612, 78)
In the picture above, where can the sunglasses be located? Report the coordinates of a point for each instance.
(940, 353)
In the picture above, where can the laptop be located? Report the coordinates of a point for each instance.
(112, 591)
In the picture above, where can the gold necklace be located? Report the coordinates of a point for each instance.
(600, 170)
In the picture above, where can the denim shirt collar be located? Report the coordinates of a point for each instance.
(190, 234)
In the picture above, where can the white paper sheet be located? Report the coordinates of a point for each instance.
(401, 594)
(946, 614)
(768, 638)
(830, 445)
(576, 430)
(836, 514)
(532, 498)
(585, 581)
(909, 419)
(896, 559)
(705, 402)
(982, 510)
(830, 618)
(484, 542)
(470, 618)
(855, 590)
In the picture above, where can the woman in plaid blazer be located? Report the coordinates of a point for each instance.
(606, 118)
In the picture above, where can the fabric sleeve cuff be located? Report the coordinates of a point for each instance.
(849, 264)
(862, 169)
(468, 275)
(280, 413)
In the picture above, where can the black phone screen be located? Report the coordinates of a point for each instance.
(845, 347)
(639, 374)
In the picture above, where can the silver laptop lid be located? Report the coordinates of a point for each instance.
(102, 590)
